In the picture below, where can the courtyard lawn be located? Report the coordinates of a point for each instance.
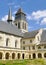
(24, 62)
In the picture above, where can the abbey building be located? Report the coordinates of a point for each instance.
(17, 43)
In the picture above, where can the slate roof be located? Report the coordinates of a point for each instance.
(10, 28)
(43, 36)
(20, 11)
(30, 34)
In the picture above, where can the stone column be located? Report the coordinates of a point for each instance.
(16, 57)
(3, 56)
(36, 55)
(10, 56)
(21, 56)
(31, 56)
(42, 55)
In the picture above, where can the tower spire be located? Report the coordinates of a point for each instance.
(10, 16)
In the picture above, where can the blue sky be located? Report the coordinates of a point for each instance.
(34, 9)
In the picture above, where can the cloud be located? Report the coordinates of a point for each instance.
(28, 17)
(6, 17)
(38, 14)
(43, 22)
(12, 3)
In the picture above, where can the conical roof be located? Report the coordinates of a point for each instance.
(20, 11)
(10, 15)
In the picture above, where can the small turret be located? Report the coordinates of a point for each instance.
(9, 16)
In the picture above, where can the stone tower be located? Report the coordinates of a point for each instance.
(20, 21)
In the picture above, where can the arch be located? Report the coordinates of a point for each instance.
(29, 56)
(39, 55)
(7, 56)
(13, 55)
(34, 55)
(18, 56)
(23, 56)
(0, 55)
(45, 55)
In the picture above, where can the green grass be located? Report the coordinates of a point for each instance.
(23, 62)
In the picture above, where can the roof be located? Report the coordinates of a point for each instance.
(43, 36)
(20, 11)
(30, 34)
(10, 28)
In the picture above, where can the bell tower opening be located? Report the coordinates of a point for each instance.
(20, 21)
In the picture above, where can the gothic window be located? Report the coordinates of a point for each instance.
(19, 25)
(16, 43)
(7, 41)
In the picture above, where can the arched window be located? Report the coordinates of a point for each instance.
(29, 56)
(23, 56)
(39, 55)
(45, 55)
(18, 55)
(13, 55)
(15, 43)
(0, 55)
(7, 41)
(7, 56)
(34, 55)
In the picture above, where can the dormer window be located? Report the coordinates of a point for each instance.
(30, 41)
(45, 47)
(23, 42)
(39, 47)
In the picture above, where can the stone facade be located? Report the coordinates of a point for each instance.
(17, 43)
